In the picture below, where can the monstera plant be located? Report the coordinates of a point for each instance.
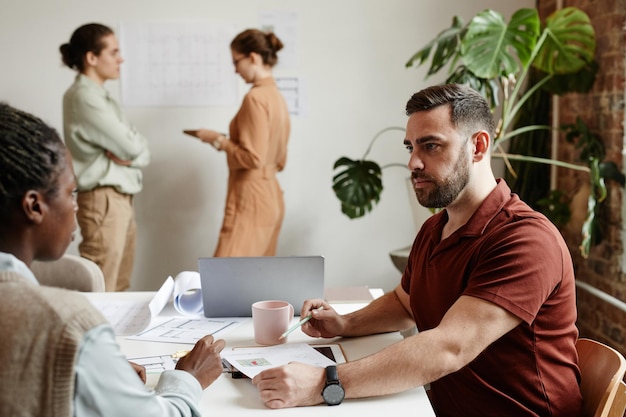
(495, 58)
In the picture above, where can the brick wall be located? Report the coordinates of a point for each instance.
(603, 110)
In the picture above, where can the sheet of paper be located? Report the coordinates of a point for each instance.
(188, 330)
(160, 363)
(285, 24)
(131, 317)
(156, 364)
(177, 64)
(354, 294)
(188, 293)
(293, 90)
(251, 361)
(162, 297)
(126, 317)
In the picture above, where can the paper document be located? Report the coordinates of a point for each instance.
(251, 361)
(188, 330)
(357, 294)
(126, 317)
(187, 293)
(160, 363)
(156, 364)
(132, 317)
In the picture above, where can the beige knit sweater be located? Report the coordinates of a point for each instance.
(41, 331)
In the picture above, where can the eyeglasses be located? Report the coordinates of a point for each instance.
(236, 60)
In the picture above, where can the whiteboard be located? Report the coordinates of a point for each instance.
(177, 64)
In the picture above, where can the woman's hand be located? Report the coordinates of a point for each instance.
(140, 369)
(203, 361)
(208, 136)
(117, 160)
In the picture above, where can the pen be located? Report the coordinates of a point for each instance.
(179, 354)
(298, 324)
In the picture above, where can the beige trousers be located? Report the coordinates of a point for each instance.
(107, 225)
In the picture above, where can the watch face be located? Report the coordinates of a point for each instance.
(333, 394)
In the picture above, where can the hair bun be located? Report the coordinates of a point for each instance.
(273, 41)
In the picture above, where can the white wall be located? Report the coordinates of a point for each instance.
(351, 55)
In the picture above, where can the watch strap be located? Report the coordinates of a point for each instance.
(331, 374)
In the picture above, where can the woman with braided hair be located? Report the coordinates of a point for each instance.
(33, 158)
(255, 150)
(59, 355)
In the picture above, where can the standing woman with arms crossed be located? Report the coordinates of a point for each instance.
(108, 154)
(255, 151)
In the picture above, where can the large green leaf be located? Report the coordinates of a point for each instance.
(578, 82)
(588, 143)
(609, 170)
(491, 48)
(570, 42)
(590, 228)
(358, 186)
(487, 88)
(495, 58)
(447, 47)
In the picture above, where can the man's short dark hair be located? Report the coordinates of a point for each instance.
(469, 110)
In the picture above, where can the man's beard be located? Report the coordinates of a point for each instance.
(446, 191)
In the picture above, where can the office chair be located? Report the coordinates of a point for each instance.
(619, 403)
(602, 369)
(71, 272)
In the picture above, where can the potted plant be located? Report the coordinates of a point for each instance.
(496, 58)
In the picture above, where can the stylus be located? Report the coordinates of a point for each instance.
(298, 324)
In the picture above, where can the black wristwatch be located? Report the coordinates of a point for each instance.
(333, 392)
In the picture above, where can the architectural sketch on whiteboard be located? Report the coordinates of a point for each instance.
(293, 90)
(177, 64)
(284, 24)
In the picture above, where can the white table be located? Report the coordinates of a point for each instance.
(238, 397)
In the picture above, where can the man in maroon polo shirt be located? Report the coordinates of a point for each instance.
(489, 284)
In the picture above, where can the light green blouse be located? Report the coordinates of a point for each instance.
(93, 124)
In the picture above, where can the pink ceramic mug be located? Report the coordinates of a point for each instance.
(271, 319)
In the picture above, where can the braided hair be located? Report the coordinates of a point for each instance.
(32, 157)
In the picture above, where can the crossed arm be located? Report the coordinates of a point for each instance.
(103, 127)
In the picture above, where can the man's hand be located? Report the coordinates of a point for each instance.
(203, 361)
(291, 385)
(140, 369)
(325, 322)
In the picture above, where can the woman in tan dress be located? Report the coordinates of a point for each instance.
(256, 149)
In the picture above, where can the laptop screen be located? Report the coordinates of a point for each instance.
(231, 285)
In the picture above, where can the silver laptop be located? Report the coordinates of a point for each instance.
(231, 285)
